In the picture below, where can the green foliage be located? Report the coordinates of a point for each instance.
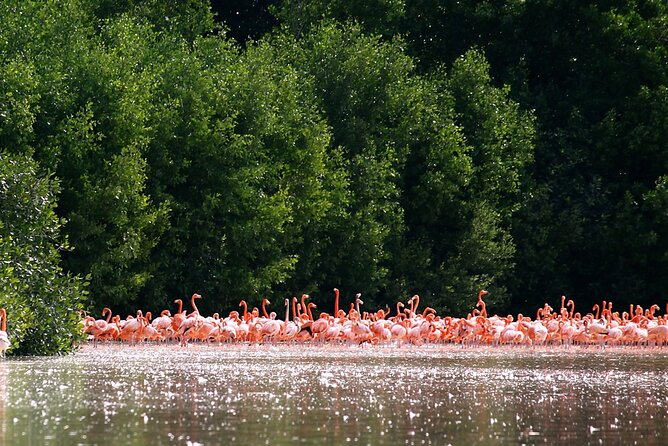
(187, 18)
(43, 303)
(246, 175)
(355, 81)
(382, 17)
(599, 152)
(499, 131)
(413, 208)
(586, 69)
(101, 142)
(277, 115)
(18, 104)
(631, 169)
(463, 184)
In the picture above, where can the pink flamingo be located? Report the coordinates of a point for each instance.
(336, 302)
(270, 328)
(290, 328)
(163, 324)
(192, 303)
(4, 339)
(179, 316)
(132, 327)
(481, 303)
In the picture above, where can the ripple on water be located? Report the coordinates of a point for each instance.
(332, 395)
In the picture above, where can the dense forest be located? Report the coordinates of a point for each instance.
(152, 149)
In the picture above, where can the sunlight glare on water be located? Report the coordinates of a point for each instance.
(281, 395)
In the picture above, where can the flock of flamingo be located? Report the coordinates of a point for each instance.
(637, 327)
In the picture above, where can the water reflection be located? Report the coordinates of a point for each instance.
(282, 395)
(3, 402)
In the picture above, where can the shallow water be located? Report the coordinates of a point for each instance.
(284, 395)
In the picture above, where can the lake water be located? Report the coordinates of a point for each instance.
(331, 395)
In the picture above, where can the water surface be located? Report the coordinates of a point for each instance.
(330, 395)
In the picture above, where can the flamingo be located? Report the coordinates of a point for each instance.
(334, 332)
(598, 327)
(658, 334)
(163, 324)
(336, 303)
(4, 339)
(243, 304)
(290, 328)
(101, 328)
(512, 333)
(381, 329)
(537, 332)
(270, 327)
(265, 302)
(206, 330)
(227, 332)
(398, 329)
(179, 316)
(190, 326)
(192, 303)
(481, 303)
(414, 302)
(319, 326)
(132, 327)
(361, 331)
(413, 334)
(149, 332)
(615, 335)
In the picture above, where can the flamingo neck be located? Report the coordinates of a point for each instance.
(399, 304)
(264, 308)
(416, 303)
(597, 309)
(192, 302)
(303, 308)
(336, 301)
